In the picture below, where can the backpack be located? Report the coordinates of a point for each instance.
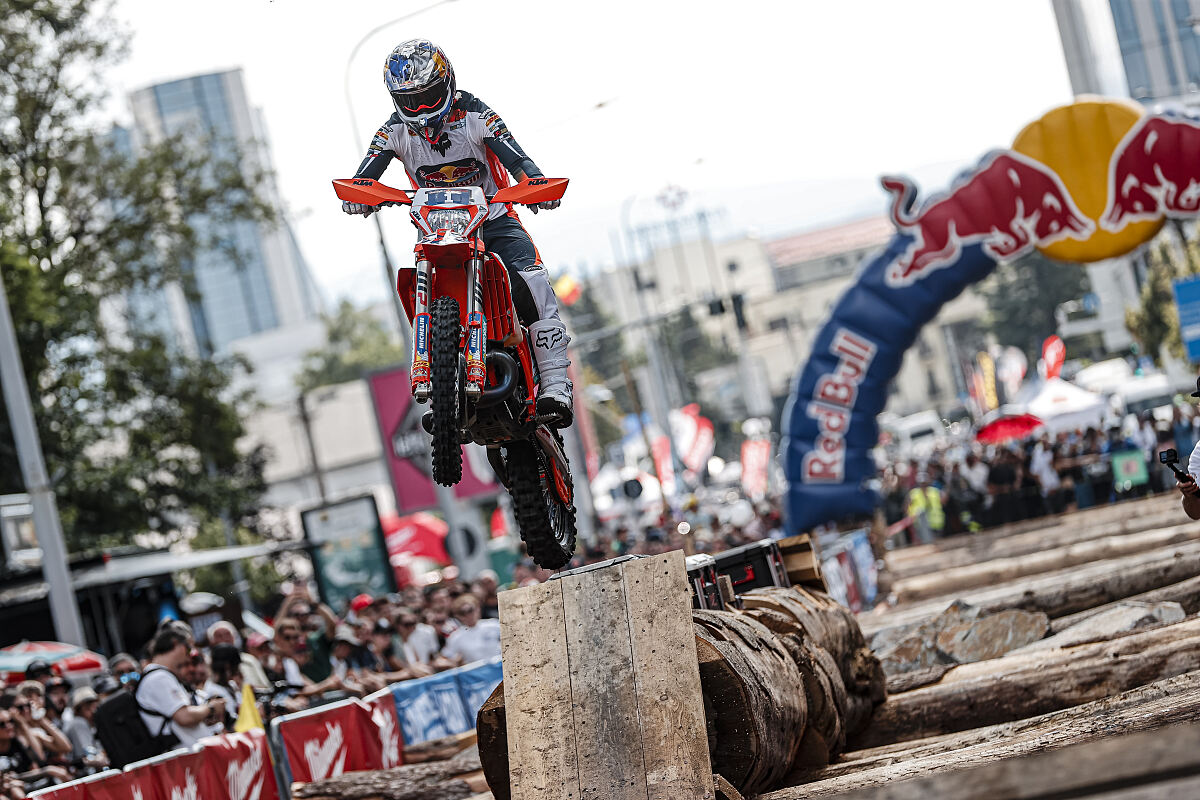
(123, 732)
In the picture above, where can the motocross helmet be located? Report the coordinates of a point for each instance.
(421, 81)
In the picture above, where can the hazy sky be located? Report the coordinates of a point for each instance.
(781, 113)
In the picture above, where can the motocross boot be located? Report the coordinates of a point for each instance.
(550, 340)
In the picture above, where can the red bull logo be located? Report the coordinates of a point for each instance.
(1154, 172)
(1009, 205)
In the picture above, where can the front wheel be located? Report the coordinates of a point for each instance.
(547, 523)
(444, 337)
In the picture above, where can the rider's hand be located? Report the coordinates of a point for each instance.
(357, 208)
(547, 206)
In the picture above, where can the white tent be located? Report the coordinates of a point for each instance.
(1063, 406)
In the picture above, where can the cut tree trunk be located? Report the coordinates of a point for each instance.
(961, 551)
(455, 779)
(1150, 707)
(1029, 684)
(1058, 593)
(1000, 570)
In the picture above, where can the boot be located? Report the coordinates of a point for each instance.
(549, 338)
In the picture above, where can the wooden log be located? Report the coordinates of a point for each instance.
(1186, 593)
(438, 749)
(1151, 707)
(453, 779)
(1151, 761)
(1034, 535)
(754, 689)
(491, 726)
(1058, 593)
(1027, 685)
(999, 570)
(907, 681)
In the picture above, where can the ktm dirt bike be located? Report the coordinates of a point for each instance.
(472, 360)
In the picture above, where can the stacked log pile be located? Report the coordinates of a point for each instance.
(785, 684)
(1007, 653)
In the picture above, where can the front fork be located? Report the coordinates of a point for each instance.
(420, 360)
(476, 330)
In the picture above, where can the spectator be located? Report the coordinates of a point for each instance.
(420, 641)
(222, 632)
(124, 668)
(225, 681)
(486, 584)
(475, 639)
(39, 670)
(258, 652)
(14, 758)
(58, 697)
(87, 756)
(289, 643)
(168, 709)
(43, 741)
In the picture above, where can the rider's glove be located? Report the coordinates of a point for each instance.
(548, 205)
(357, 208)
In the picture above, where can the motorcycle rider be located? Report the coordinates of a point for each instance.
(446, 138)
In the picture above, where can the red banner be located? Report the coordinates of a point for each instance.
(337, 739)
(406, 447)
(756, 462)
(186, 777)
(76, 790)
(240, 765)
(384, 719)
(1054, 353)
(143, 784)
(113, 785)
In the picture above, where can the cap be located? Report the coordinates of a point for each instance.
(255, 641)
(360, 602)
(1197, 392)
(382, 626)
(57, 683)
(345, 633)
(38, 667)
(105, 683)
(85, 694)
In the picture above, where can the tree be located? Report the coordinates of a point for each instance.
(1022, 296)
(357, 342)
(1154, 324)
(136, 434)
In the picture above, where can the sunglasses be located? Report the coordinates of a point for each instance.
(21, 706)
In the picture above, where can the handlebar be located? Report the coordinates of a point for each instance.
(369, 192)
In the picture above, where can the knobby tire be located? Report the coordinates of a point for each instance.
(445, 333)
(547, 524)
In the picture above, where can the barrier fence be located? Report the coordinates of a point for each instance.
(322, 742)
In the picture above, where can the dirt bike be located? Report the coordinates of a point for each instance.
(471, 356)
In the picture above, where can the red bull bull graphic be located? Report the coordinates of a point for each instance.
(1008, 205)
(1049, 192)
(1154, 172)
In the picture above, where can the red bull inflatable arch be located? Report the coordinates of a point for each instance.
(1092, 180)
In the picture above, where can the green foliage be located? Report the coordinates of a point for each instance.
(1154, 324)
(128, 424)
(357, 342)
(263, 574)
(1022, 295)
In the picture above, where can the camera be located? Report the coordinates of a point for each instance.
(1170, 458)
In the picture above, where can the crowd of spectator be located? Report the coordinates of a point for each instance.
(960, 489)
(190, 686)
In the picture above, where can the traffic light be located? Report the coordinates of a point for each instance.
(716, 307)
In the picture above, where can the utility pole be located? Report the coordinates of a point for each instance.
(64, 610)
(306, 423)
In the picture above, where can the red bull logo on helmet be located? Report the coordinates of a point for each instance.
(1009, 205)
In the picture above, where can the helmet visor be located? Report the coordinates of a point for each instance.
(427, 101)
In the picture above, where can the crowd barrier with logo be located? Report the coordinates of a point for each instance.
(323, 742)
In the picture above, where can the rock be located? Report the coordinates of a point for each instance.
(1123, 617)
(992, 636)
(917, 649)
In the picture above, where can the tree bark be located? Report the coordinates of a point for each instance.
(1000, 570)
(455, 779)
(1025, 685)
(961, 551)
(1058, 593)
(1146, 708)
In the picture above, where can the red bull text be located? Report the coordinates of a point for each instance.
(835, 394)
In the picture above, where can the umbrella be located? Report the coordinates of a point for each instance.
(418, 535)
(67, 659)
(1006, 428)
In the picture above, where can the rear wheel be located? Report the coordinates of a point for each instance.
(547, 523)
(444, 336)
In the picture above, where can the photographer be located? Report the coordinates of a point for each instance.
(168, 710)
(1188, 488)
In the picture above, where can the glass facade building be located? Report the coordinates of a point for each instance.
(254, 280)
